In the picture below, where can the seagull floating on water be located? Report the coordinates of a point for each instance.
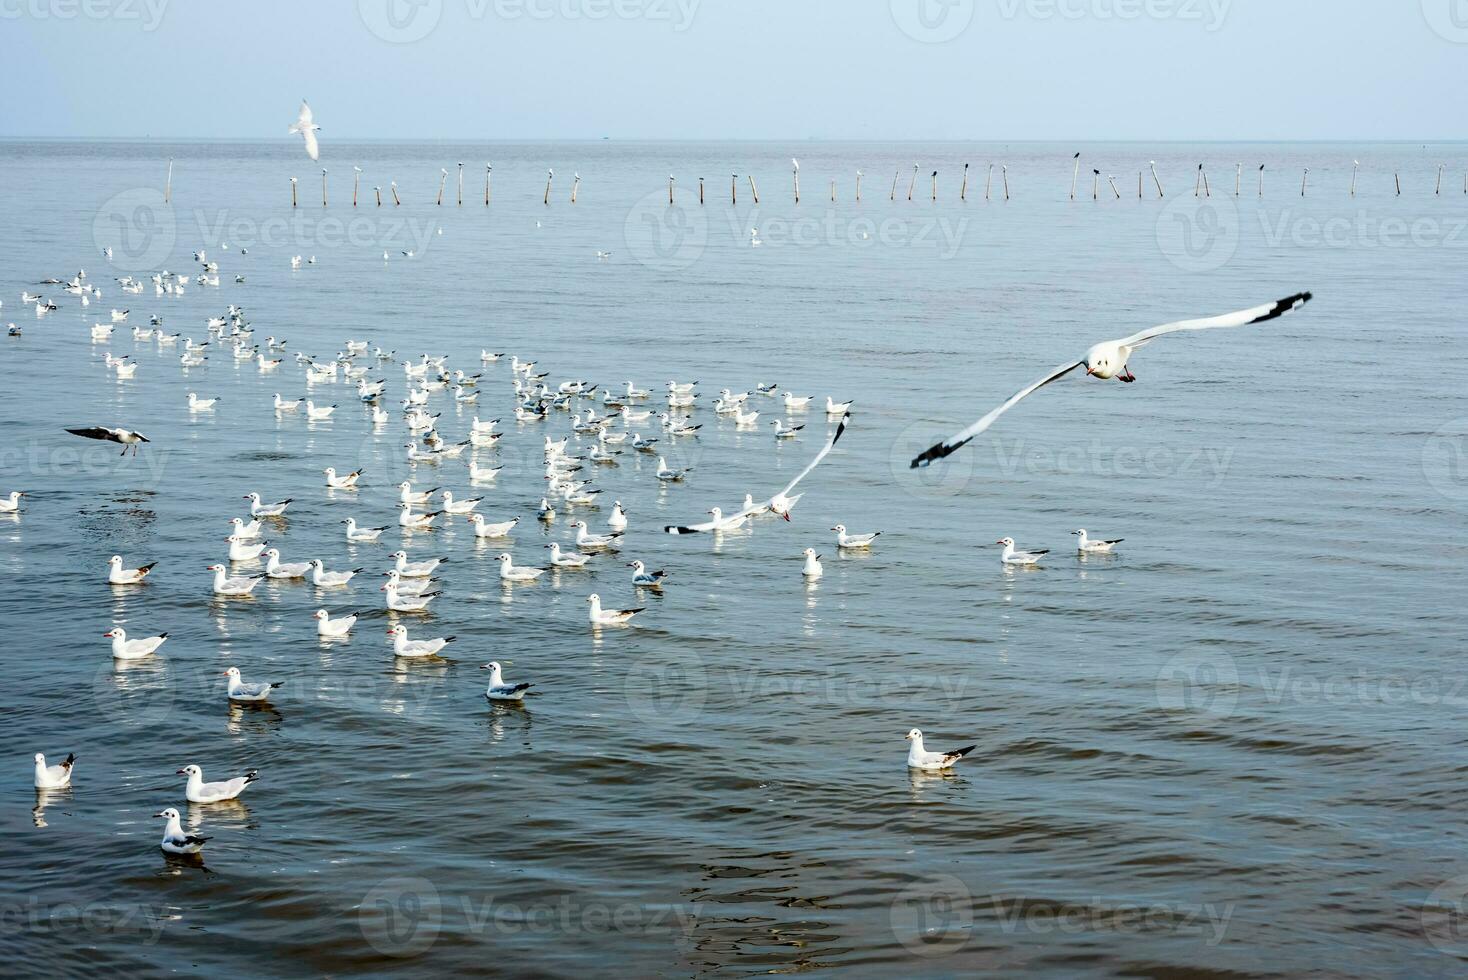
(1085, 545)
(334, 628)
(175, 841)
(125, 649)
(240, 690)
(117, 575)
(415, 649)
(54, 777)
(920, 758)
(198, 791)
(498, 689)
(608, 617)
(1012, 556)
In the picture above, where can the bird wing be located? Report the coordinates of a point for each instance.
(95, 432)
(825, 451)
(305, 119)
(956, 442)
(1243, 318)
(313, 150)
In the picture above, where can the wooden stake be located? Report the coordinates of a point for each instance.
(753, 188)
(1398, 177)
(443, 176)
(378, 190)
(912, 186)
(323, 187)
(858, 186)
(1096, 185)
(1112, 181)
(1139, 185)
(168, 183)
(1239, 181)
(1156, 179)
(963, 192)
(461, 185)
(1355, 170)
(1207, 191)
(488, 173)
(734, 189)
(833, 190)
(935, 187)
(550, 175)
(293, 192)
(671, 181)
(1198, 182)
(1261, 180)
(392, 185)
(1005, 173)
(989, 182)
(700, 190)
(796, 164)
(1075, 176)
(1304, 180)
(895, 178)
(1439, 191)
(356, 183)
(576, 187)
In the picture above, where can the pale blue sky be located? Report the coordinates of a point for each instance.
(738, 69)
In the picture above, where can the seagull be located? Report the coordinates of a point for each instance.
(402, 603)
(812, 569)
(326, 626)
(853, 541)
(318, 413)
(410, 587)
(642, 578)
(243, 530)
(125, 649)
(407, 495)
(671, 476)
(197, 404)
(285, 406)
(275, 569)
(239, 690)
(415, 649)
(307, 128)
(1109, 359)
(718, 525)
(323, 579)
(1085, 545)
(498, 690)
(54, 777)
(365, 535)
(175, 841)
(608, 617)
(837, 408)
(510, 573)
(415, 569)
(560, 559)
(198, 791)
(244, 549)
(587, 541)
(348, 482)
(117, 575)
(237, 587)
(258, 509)
(127, 437)
(416, 522)
(11, 504)
(920, 758)
(1013, 557)
(792, 403)
(460, 507)
(618, 519)
(783, 431)
(782, 503)
(483, 529)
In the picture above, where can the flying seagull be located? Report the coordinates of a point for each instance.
(307, 129)
(1109, 360)
(124, 436)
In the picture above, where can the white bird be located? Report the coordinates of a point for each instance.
(284, 406)
(237, 586)
(318, 413)
(410, 587)
(244, 549)
(276, 569)
(415, 569)
(920, 758)
(243, 530)
(618, 519)
(783, 503)
(608, 617)
(717, 525)
(459, 507)
(1011, 556)
(397, 602)
(11, 503)
(198, 791)
(125, 649)
(328, 627)
(853, 541)
(642, 578)
(175, 841)
(509, 572)
(486, 530)
(347, 482)
(498, 690)
(837, 408)
(241, 690)
(1085, 545)
(416, 522)
(128, 438)
(407, 495)
(415, 649)
(783, 431)
(812, 568)
(258, 509)
(671, 476)
(117, 575)
(792, 403)
(587, 541)
(197, 404)
(307, 128)
(54, 777)
(560, 559)
(362, 535)
(1109, 360)
(323, 579)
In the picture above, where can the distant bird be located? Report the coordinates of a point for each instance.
(307, 128)
(126, 437)
(1109, 360)
(920, 758)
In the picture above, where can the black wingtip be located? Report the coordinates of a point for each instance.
(941, 451)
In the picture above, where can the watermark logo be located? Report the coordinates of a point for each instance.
(947, 478)
(400, 21)
(667, 691)
(401, 916)
(1448, 19)
(1445, 461)
(933, 917)
(148, 14)
(133, 695)
(139, 227)
(933, 21)
(1199, 234)
(1210, 14)
(666, 237)
(1444, 917)
(1201, 683)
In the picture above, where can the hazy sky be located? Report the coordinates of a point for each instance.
(739, 69)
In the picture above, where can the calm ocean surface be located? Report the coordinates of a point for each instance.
(1236, 748)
